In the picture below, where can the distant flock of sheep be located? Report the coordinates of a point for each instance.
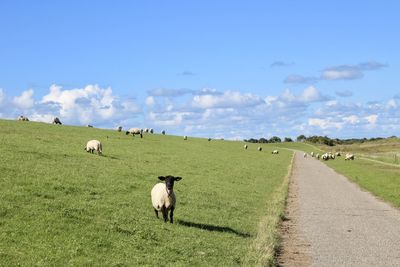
(330, 156)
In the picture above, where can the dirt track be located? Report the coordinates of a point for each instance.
(332, 222)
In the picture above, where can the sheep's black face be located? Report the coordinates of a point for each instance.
(169, 180)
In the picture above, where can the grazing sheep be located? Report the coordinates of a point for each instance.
(312, 154)
(259, 148)
(119, 129)
(89, 126)
(93, 145)
(245, 146)
(275, 152)
(185, 137)
(56, 120)
(151, 130)
(305, 155)
(349, 157)
(317, 156)
(134, 131)
(326, 156)
(23, 118)
(163, 197)
(146, 130)
(337, 154)
(163, 132)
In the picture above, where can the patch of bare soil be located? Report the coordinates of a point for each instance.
(294, 250)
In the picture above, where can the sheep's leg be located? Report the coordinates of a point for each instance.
(171, 215)
(164, 213)
(156, 211)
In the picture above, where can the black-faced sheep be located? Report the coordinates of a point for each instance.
(209, 139)
(163, 132)
(119, 129)
(56, 120)
(163, 197)
(185, 137)
(89, 126)
(275, 152)
(94, 145)
(134, 131)
(151, 130)
(245, 146)
(259, 148)
(337, 154)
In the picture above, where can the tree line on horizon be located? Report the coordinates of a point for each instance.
(317, 139)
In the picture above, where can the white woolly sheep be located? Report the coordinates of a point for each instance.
(305, 155)
(146, 130)
(312, 154)
(349, 157)
(337, 154)
(275, 152)
(317, 156)
(151, 130)
(134, 131)
(245, 146)
(163, 197)
(94, 145)
(259, 148)
(56, 120)
(185, 137)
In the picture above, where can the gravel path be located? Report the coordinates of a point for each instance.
(332, 222)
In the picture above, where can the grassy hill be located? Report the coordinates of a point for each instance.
(62, 206)
(379, 177)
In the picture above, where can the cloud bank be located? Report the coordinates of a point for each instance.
(211, 113)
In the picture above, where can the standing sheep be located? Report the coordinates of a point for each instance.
(275, 152)
(93, 145)
(56, 120)
(134, 131)
(245, 146)
(119, 128)
(163, 132)
(163, 197)
(312, 154)
(185, 137)
(151, 130)
(23, 118)
(259, 148)
(349, 157)
(89, 126)
(305, 155)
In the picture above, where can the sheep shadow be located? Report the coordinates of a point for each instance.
(213, 228)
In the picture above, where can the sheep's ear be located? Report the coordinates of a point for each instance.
(177, 178)
(162, 178)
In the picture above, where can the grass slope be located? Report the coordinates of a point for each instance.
(381, 179)
(62, 206)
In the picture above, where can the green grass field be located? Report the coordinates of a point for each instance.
(381, 179)
(61, 206)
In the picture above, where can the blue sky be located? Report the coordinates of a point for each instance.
(232, 69)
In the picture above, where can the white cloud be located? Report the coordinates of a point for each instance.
(2, 96)
(25, 100)
(150, 101)
(391, 104)
(352, 119)
(228, 99)
(341, 74)
(324, 123)
(372, 119)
